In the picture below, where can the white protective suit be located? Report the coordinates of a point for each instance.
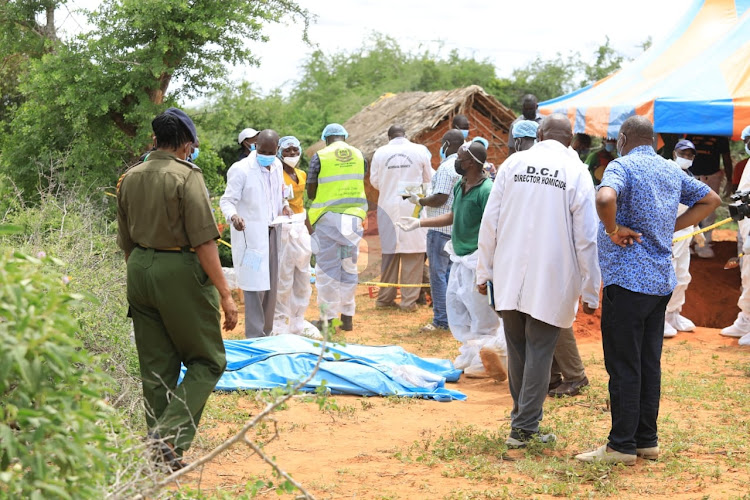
(294, 289)
(744, 228)
(397, 163)
(471, 319)
(245, 195)
(537, 241)
(681, 265)
(335, 243)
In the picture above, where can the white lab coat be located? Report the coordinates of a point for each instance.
(537, 240)
(400, 161)
(245, 196)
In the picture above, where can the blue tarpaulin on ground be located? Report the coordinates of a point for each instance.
(269, 362)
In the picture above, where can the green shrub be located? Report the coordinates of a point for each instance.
(52, 439)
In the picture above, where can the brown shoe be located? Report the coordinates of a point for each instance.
(569, 388)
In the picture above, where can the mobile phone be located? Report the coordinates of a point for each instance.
(491, 294)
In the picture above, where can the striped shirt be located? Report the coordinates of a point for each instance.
(442, 182)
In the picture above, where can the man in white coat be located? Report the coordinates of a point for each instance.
(252, 200)
(537, 244)
(398, 166)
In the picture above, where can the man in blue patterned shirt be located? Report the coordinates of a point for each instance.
(637, 204)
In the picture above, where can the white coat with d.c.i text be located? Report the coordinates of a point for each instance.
(246, 196)
(397, 163)
(537, 240)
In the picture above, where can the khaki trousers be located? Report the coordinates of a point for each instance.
(566, 363)
(411, 267)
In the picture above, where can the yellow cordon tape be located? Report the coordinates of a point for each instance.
(391, 285)
(224, 243)
(707, 228)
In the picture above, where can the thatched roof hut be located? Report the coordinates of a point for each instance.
(426, 117)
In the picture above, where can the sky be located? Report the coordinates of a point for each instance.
(507, 34)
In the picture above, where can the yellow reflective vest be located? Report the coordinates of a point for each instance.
(341, 182)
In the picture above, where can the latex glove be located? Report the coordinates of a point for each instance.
(408, 223)
(413, 198)
(746, 245)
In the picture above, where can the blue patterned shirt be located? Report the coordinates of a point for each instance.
(649, 189)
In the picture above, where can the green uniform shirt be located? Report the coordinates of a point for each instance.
(163, 203)
(467, 215)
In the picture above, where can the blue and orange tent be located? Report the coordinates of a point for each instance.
(695, 81)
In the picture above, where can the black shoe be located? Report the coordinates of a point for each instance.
(346, 323)
(554, 384)
(568, 388)
(520, 438)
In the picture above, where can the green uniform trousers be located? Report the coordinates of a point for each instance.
(176, 319)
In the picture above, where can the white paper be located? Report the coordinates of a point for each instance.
(285, 219)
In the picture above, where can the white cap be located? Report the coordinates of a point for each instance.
(248, 132)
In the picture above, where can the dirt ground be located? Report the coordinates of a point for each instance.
(355, 447)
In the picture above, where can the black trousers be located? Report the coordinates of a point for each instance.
(632, 337)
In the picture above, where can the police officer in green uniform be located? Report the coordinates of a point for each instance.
(167, 231)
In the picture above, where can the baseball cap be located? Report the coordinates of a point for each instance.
(684, 144)
(248, 132)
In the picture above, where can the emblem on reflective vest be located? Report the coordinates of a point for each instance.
(343, 155)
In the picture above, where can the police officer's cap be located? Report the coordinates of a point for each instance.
(185, 120)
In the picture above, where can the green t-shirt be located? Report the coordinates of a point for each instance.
(467, 215)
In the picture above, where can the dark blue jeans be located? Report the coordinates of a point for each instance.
(440, 269)
(632, 337)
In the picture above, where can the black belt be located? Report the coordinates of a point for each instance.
(168, 250)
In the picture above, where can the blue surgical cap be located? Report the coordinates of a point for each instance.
(334, 129)
(745, 133)
(525, 128)
(185, 120)
(482, 141)
(287, 141)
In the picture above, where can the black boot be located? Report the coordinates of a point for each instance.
(346, 323)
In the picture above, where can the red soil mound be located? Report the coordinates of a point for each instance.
(710, 300)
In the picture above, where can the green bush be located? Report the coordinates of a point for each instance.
(52, 441)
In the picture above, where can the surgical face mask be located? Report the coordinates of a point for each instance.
(684, 163)
(620, 147)
(292, 161)
(459, 170)
(251, 147)
(265, 160)
(584, 153)
(194, 156)
(747, 149)
(443, 148)
(465, 133)
(609, 147)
